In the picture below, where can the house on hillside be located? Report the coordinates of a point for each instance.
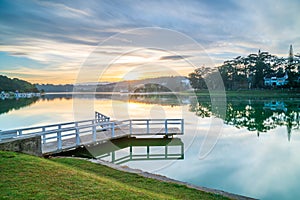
(274, 80)
(185, 82)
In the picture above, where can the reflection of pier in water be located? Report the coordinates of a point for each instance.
(120, 151)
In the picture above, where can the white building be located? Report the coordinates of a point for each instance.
(185, 82)
(275, 80)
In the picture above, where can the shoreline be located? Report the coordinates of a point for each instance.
(69, 178)
(163, 178)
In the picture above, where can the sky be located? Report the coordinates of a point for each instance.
(72, 41)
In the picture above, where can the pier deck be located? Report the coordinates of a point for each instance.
(62, 137)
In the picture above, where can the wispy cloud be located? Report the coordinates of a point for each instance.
(176, 57)
(64, 10)
(61, 35)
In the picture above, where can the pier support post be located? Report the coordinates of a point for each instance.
(130, 127)
(59, 142)
(182, 126)
(77, 137)
(113, 130)
(44, 135)
(166, 127)
(148, 128)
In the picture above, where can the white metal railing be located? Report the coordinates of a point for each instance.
(101, 118)
(76, 133)
(152, 125)
(57, 133)
(38, 130)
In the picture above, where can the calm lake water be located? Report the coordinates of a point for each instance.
(253, 150)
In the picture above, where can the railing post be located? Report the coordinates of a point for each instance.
(113, 156)
(130, 127)
(148, 130)
(59, 141)
(166, 151)
(44, 135)
(182, 126)
(113, 129)
(130, 151)
(148, 151)
(94, 132)
(182, 151)
(77, 136)
(166, 126)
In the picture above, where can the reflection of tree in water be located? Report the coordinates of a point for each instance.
(15, 104)
(255, 115)
(202, 110)
(160, 99)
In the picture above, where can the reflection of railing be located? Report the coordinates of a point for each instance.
(170, 149)
(58, 137)
(147, 156)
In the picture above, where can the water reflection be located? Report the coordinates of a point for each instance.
(121, 151)
(255, 114)
(240, 162)
(169, 99)
(7, 105)
(160, 99)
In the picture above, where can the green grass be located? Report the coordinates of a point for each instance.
(28, 177)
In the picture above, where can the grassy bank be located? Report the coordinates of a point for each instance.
(27, 177)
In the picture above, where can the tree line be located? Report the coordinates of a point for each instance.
(249, 72)
(12, 85)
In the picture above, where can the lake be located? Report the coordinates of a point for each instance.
(251, 150)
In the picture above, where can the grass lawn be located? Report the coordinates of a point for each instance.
(28, 177)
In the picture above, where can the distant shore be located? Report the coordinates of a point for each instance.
(18, 95)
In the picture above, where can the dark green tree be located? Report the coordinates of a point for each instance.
(199, 76)
(11, 85)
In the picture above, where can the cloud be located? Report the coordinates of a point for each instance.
(174, 57)
(56, 33)
(63, 9)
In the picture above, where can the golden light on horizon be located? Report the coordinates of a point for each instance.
(133, 66)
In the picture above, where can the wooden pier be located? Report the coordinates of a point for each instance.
(62, 137)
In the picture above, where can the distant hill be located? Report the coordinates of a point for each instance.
(55, 88)
(81, 87)
(159, 84)
(11, 85)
